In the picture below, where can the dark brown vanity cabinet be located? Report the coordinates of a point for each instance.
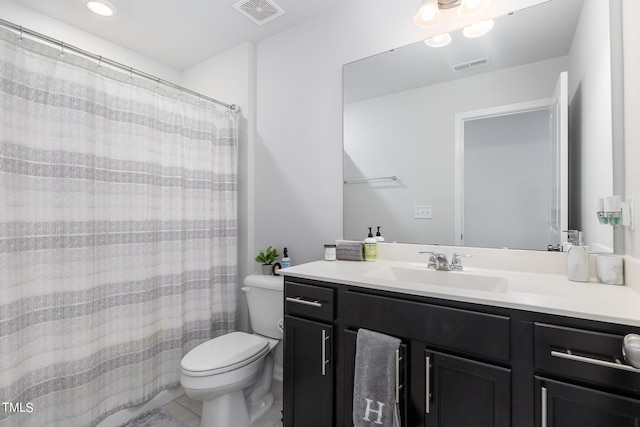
(460, 364)
(454, 369)
(309, 354)
(582, 379)
(464, 392)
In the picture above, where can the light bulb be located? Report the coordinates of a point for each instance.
(428, 14)
(478, 29)
(470, 8)
(472, 4)
(439, 41)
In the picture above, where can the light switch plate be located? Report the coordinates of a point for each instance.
(422, 212)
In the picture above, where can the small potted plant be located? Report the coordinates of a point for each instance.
(266, 258)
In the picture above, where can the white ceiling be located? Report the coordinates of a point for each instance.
(179, 33)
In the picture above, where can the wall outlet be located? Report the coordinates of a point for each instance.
(422, 212)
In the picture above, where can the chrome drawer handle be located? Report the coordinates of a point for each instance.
(592, 361)
(299, 300)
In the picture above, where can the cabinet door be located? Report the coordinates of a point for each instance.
(308, 378)
(462, 392)
(350, 341)
(565, 405)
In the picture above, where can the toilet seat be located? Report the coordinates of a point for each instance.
(223, 354)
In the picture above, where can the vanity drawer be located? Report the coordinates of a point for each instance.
(314, 302)
(583, 355)
(469, 332)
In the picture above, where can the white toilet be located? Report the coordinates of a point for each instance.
(232, 373)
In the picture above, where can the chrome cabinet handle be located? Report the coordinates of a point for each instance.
(592, 361)
(324, 352)
(299, 300)
(543, 406)
(427, 387)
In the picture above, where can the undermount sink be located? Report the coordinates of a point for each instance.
(449, 279)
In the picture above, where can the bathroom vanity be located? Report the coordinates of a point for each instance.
(512, 352)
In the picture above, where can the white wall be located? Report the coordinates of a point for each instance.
(416, 143)
(631, 17)
(230, 77)
(591, 120)
(298, 200)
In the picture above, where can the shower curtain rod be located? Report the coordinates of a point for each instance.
(103, 60)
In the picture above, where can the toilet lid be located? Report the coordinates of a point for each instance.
(224, 353)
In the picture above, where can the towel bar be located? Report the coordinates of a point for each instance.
(399, 386)
(397, 376)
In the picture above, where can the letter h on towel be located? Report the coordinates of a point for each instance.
(374, 382)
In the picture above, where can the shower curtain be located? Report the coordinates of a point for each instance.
(118, 234)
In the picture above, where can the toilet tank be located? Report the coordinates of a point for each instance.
(265, 296)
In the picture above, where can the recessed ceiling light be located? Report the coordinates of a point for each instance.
(102, 7)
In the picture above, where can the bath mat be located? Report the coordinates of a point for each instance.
(154, 418)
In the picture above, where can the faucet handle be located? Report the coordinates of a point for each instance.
(433, 263)
(456, 263)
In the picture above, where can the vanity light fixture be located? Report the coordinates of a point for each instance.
(478, 29)
(439, 41)
(429, 12)
(102, 7)
(469, 8)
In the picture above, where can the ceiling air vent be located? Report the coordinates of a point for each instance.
(469, 65)
(259, 11)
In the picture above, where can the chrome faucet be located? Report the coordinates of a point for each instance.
(433, 262)
(438, 261)
(456, 263)
(442, 262)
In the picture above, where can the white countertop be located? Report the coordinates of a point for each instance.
(525, 290)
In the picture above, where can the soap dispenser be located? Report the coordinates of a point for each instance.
(370, 247)
(578, 263)
(379, 237)
(286, 261)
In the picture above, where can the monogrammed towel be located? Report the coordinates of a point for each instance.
(374, 382)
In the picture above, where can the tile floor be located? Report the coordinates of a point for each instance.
(188, 411)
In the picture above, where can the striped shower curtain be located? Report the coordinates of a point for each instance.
(118, 234)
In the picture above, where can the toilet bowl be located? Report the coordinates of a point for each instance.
(231, 374)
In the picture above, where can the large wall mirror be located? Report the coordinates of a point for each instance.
(463, 144)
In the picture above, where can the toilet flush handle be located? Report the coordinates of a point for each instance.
(246, 289)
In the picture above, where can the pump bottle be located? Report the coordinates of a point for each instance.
(370, 247)
(286, 261)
